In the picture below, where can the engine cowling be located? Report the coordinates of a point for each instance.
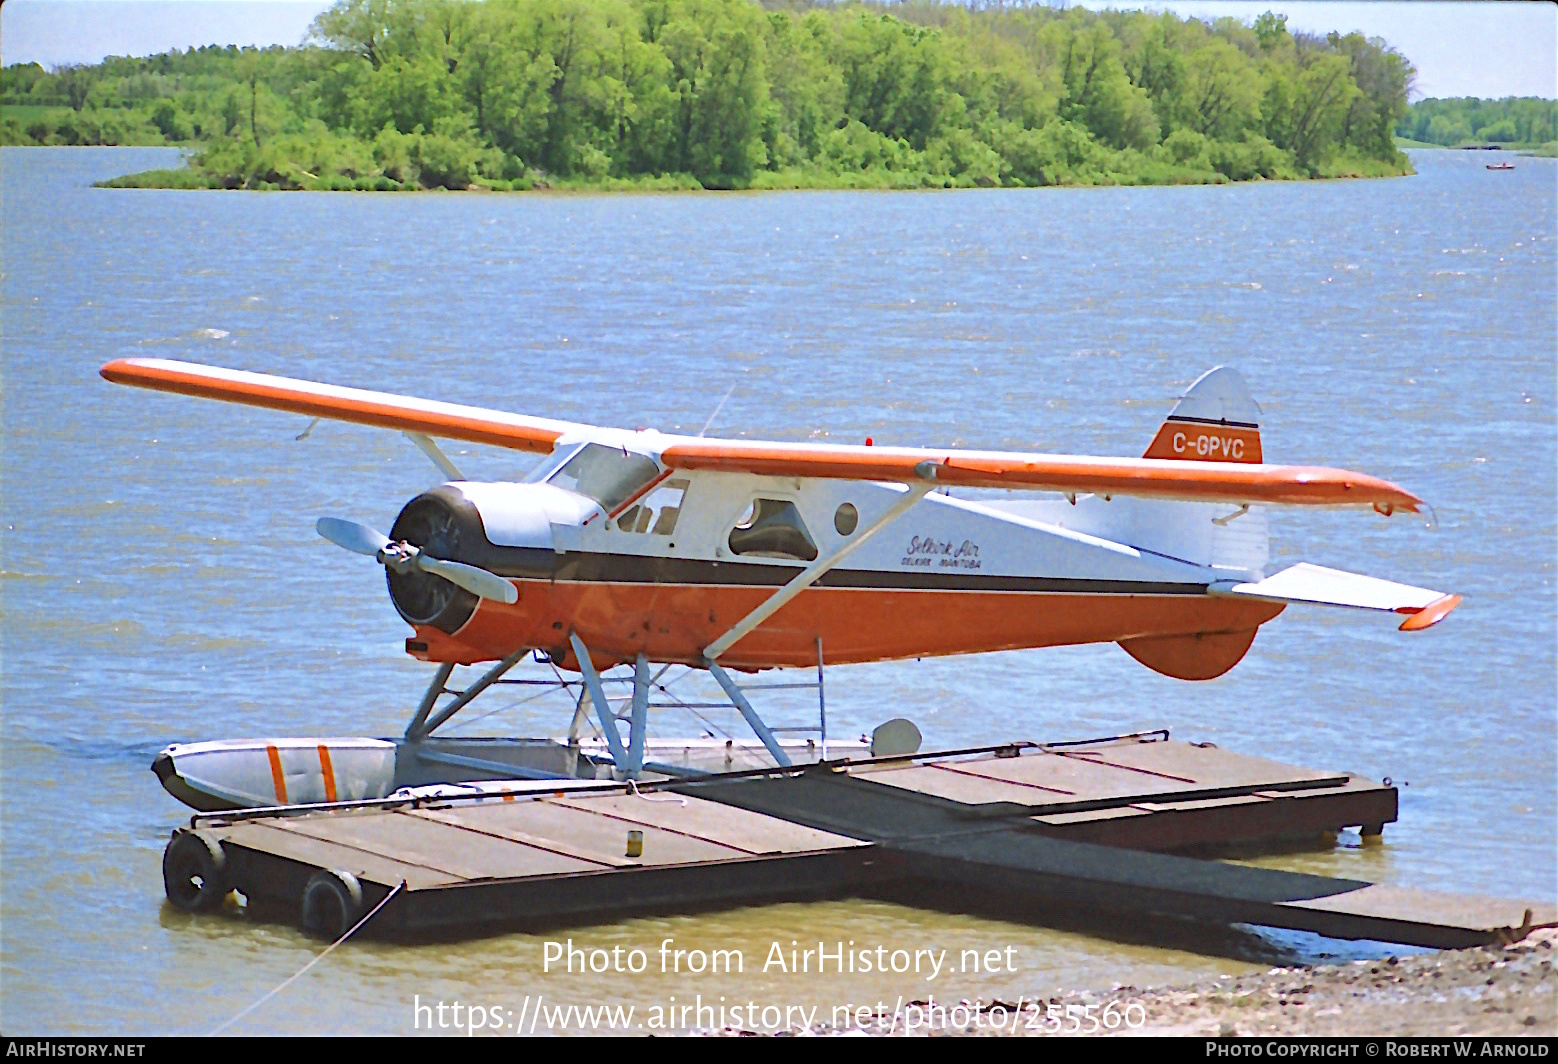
(504, 528)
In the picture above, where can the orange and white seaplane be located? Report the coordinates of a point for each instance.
(639, 548)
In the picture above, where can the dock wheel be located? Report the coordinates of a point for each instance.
(332, 903)
(194, 871)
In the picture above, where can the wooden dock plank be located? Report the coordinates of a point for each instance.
(1426, 907)
(1032, 779)
(268, 838)
(464, 854)
(1117, 770)
(963, 782)
(712, 822)
(1197, 765)
(488, 824)
(581, 834)
(1148, 809)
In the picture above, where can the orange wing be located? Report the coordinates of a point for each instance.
(1197, 481)
(381, 409)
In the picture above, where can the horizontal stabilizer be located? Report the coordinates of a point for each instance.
(1320, 586)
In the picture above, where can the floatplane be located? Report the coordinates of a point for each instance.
(626, 553)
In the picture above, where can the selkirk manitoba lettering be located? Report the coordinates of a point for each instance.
(928, 552)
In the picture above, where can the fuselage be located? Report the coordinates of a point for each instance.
(635, 559)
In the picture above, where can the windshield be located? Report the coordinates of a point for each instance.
(608, 475)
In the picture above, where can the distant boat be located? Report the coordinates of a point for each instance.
(1500, 166)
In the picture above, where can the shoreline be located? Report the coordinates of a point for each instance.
(1497, 991)
(189, 181)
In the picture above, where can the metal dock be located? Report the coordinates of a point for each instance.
(1076, 827)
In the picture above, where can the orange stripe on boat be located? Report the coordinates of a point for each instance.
(328, 771)
(1429, 615)
(276, 776)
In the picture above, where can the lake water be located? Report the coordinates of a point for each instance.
(162, 581)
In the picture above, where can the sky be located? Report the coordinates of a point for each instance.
(1489, 48)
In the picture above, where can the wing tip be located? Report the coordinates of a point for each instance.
(1431, 614)
(116, 371)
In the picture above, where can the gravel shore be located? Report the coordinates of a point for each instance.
(1509, 990)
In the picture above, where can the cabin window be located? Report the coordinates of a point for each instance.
(772, 528)
(609, 475)
(845, 519)
(656, 512)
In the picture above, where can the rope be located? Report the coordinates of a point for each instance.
(321, 956)
(633, 788)
(501, 709)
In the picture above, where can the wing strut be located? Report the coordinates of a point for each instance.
(815, 571)
(435, 453)
(802, 580)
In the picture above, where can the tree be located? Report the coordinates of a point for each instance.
(1307, 98)
(1271, 31)
(1383, 78)
(76, 81)
(1099, 94)
(718, 90)
(1223, 92)
(358, 26)
(893, 74)
(806, 93)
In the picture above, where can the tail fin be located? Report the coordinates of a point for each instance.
(1215, 421)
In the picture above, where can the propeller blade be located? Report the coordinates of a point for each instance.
(476, 581)
(352, 536)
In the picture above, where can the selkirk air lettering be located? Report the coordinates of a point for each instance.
(943, 553)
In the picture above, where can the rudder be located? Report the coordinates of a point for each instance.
(1216, 420)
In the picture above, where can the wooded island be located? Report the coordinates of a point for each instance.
(732, 94)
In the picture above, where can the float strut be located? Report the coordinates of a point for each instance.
(608, 723)
(639, 725)
(464, 698)
(414, 730)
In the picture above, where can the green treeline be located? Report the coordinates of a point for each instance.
(732, 94)
(1517, 121)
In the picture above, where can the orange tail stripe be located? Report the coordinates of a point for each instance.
(328, 771)
(276, 775)
(1206, 443)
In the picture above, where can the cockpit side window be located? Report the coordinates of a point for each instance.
(609, 475)
(772, 528)
(656, 512)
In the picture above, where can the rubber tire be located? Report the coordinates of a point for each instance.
(332, 903)
(194, 871)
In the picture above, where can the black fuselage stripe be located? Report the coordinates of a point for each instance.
(522, 563)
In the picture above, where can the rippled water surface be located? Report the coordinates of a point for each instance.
(161, 580)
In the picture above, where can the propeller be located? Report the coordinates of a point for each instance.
(354, 537)
(402, 557)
